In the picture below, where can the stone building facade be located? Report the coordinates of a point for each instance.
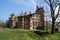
(13, 21)
(29, 21)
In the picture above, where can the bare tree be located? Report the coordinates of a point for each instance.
(53, 4)
(21, 13)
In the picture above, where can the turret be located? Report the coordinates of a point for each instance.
(39, 9)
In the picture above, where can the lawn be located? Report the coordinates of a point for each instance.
(20, 34)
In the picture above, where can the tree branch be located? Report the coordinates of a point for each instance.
(57, 23)
(57, 14)
(47, 2)
(52, 1)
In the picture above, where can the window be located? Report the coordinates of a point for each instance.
(36, 23)
(33, 27)
(33, 15)
(33, 23)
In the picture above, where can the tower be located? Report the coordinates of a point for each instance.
(40, 13)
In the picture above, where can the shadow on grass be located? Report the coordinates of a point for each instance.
(41, 33)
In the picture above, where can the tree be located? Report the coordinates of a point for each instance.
(12, 14)
(8, 23)
(21, 13)
(53, 4)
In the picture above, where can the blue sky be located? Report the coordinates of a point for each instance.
(16, 6)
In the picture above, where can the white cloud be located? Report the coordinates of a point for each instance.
(30, 3)
(56, 10)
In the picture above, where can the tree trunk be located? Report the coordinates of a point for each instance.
(53, 24)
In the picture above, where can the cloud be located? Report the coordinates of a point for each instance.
(56, 10)
(30, 3)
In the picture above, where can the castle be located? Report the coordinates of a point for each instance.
(28, 21)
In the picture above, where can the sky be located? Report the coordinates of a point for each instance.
(8, 7)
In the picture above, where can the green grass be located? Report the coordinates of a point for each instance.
(55, 36)
(19, 34)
